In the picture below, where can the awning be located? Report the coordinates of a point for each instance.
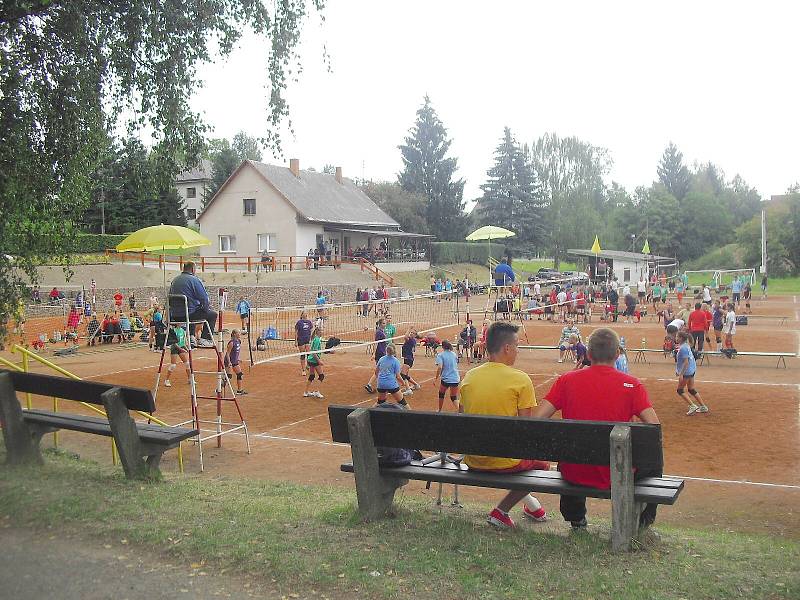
(378, 233)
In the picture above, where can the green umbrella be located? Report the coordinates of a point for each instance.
(490, 232)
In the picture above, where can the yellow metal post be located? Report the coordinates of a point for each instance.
(25, 369)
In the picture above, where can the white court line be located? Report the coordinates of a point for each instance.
(326, 414)
(725, 382)
(739, 482)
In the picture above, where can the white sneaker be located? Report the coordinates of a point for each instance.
(408, 392)
(417, 386)
(561, 360)
(204, 343)
(167, 383)
(318, 394)
(307, 394)
(692, 409)
(702, 409)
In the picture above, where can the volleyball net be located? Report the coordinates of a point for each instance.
(271, 333)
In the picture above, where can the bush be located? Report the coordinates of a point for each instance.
(724, 257)
(443, 253)
(85, 243)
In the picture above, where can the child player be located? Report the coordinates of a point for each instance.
(409, 345)
(447, 376)
(178, 351)
(232, 352)
(685, 369)
(387, 375)
(580, 352)
(314, 361)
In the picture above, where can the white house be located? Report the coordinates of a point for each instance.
(627, 267)
(287, 212)
(192, 186)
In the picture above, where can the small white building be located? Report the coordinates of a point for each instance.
(287, 212)
(627, 267)
(192, 186)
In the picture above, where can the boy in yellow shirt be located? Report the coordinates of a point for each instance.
(496, 388)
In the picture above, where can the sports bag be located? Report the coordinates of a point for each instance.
(741, 320)
(394, 457)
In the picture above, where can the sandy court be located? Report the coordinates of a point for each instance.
(752, 433)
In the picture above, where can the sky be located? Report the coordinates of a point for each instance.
(719, 79)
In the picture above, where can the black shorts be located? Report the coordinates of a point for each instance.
(388, 390)
(736, 297)
(409, 362)
(449, 385)
(379, 356)
(586, 362)
(301, 343)
(642, 294)
(175, 350)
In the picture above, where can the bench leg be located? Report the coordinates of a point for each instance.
(374, 492)
(125, 435)
(21, 447)
(624, 510)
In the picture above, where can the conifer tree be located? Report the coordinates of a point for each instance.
(673, 173)
(512, 197)
(428, 171)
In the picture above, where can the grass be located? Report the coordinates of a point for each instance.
(309, 541)
(782, 285)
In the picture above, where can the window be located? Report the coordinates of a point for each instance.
(268, 242)
(626, 275)
(191, 192)
(249, 206)
(227, 243)
(191, 214)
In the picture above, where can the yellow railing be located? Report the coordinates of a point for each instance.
(27, 354)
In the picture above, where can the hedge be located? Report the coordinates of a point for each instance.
(88, 243)
(443, 253)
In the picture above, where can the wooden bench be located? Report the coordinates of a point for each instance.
(705, 358)
(622, 446)
(140, 445)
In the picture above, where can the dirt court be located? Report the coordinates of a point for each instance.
(742, 458)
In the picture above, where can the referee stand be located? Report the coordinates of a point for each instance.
(223, 388)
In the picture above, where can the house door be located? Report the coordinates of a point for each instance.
(319, 240)
(346, 244)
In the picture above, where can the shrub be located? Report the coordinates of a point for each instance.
(443, 253)
(86, 243)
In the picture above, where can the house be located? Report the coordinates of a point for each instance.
(193, 185)
(627, 267)
(287, 212)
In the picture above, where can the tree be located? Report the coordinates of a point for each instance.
(223, 163)
(672, 173)
(71, 71)
(407, 208)
(571, 172)
(511, 195)
(246, 147)
(427, 171)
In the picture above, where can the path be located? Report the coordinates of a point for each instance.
(54, 564)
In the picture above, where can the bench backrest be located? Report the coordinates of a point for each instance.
(583, 442)
(80, 391)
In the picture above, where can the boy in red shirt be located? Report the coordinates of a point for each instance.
(599, 393)
(118, 300)
(698, 324)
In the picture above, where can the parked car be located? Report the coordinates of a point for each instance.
(576, 276)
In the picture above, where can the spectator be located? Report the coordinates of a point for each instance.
(243, 310)
(132, 300)
(197, 303)
(496, 388)
(599, 393)
(568, 330)
(36, 296)
(118, 300)
(91, 330)
(698, 323)
(54, 296)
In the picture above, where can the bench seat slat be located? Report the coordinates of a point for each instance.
(149, 433)
(541, 481)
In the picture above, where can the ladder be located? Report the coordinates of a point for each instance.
(223, 388)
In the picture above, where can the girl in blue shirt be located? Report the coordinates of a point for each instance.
(685, 369)
(387, 372)
(447, 374)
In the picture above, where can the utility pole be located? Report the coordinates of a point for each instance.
(763, 240)
(102, 211)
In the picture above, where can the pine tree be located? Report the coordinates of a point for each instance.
(673, 173)
(427, 171)
(512, 197)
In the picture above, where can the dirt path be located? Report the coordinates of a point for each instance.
(83, 569)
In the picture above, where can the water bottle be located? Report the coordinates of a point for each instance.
(622, 342)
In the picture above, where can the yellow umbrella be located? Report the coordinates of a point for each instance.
(162, 237)
(490, 232)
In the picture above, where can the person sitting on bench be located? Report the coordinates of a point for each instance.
(599, 393)
(496, 388)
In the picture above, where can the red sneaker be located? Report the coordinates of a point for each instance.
(500, 520)
(540, 516)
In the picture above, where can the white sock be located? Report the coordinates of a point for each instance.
(532, 503)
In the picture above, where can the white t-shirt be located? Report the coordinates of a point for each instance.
(679, 323)
(537, 289)
(626, 290)
(614, 285)
(641, 287)
(730, 323)
(706, 294)
(562, 297)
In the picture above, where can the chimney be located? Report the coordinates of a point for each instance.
(339, 174)
(294, 166)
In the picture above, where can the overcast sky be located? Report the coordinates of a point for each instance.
(720, 79)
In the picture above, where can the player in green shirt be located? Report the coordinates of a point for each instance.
(314, 360)
(389, 329)
(178, 351)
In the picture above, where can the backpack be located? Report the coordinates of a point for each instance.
(394, 457)
(741, 320)
(271, 333)
(332, 342)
